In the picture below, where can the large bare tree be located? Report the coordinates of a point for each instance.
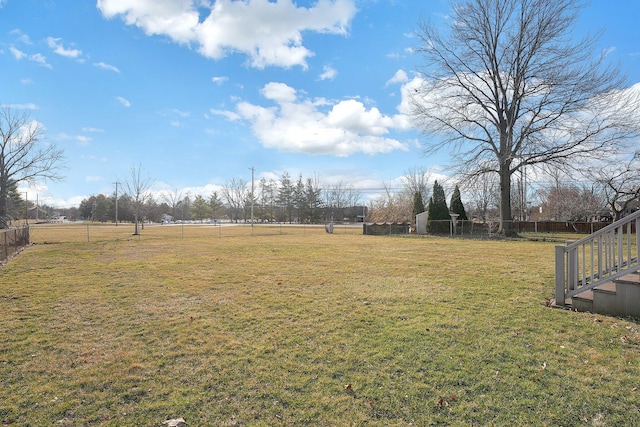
(24, 155)
(507, 87)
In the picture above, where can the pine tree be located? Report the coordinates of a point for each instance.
(15, 202)
(285, 197)
(418, 205)
(200, 208)
(457, 206)
(216, 205)
(438, 211)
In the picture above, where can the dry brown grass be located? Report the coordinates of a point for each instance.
(303, 328)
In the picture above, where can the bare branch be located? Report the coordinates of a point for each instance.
(24, 156)
(509, 88)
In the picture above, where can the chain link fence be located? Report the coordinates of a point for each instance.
(537, 230)
(98, 232)
(13, 240)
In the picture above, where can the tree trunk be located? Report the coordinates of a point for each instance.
(135, 220)
(506, 220)
(3, 205)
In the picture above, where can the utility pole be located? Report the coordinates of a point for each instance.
(252, 174)
(116, 203)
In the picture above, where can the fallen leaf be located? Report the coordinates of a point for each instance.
(176, 422)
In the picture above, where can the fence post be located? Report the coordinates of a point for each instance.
(560, 281)
(6, 245)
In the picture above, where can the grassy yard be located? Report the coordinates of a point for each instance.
(302, 329)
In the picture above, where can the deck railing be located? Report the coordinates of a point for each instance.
(605, 255)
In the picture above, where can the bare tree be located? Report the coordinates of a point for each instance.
(24, 156)
(416, 180)
(391, 206)
(483, 194)
(339, 197)
(236, 194)
(137, 187)
(508, 88)
(621, 185)
(172, 198)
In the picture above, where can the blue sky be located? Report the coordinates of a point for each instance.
(200, 91)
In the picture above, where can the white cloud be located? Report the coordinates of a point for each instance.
(180, 113)
(268, 32)
(28, 106)
(123, 101)
(61, 50)
(317, 126)
(399, 77)
(219, 80)
(36, 57)
(91, 129)
(93, 178)
(40, 59)
(83, 140)
(328, 73)
(21, 36)
(107, 67)
(17, 53)
(230, 115)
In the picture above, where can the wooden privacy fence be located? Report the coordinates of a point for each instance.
(12, 239)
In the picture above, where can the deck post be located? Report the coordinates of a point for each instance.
(560, 280)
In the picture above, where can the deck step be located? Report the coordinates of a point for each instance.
(631, 279)
(620, 297)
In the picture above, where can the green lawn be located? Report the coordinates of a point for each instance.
(302, 329)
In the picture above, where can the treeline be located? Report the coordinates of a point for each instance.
(283, 200)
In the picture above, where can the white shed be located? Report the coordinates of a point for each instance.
(421, 223)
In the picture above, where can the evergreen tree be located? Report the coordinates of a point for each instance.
(299, 200)
(285, 197)
(15, 202)
(438, 211)
(216, 205)
(313, 195)
(200, 208)
(437, 208)
(418, 205)
(457, 206)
